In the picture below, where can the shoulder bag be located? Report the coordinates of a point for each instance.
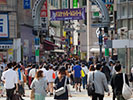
(61, 90)
(91, 87)
(126, 91)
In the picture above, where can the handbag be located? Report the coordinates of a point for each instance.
(82, 73)
(20, 89)
(126, 90)
(16, 96)
(32, 94)
(91, 87)
(61, 90)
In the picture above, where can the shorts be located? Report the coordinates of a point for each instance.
(77, 80)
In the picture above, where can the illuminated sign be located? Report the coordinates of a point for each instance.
(68, 14)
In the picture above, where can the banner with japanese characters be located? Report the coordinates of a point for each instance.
(4, 26)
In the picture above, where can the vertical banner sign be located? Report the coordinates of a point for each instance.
(4, 26)
(44, 10)
(44, 16)
(26, 4)
(75, 3)
(2, 2)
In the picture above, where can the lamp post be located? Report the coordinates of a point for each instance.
(100, 43)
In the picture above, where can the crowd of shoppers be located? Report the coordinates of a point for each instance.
(53, 76)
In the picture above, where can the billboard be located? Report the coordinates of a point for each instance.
(3, 2)
(4, 26)
(67, 14)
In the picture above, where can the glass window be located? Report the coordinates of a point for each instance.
(52, 2)
(84, 2)
(56, 3)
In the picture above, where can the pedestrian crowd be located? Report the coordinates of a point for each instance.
(55, 77)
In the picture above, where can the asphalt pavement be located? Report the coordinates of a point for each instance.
(75, 96)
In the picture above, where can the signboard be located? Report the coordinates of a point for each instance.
(10, 55)
(67, 14)
(44, 10)
(44, 23)
(75, 3)
(26, 4)
(3, 2)
(4, 26)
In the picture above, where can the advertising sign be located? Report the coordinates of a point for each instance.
(44, 10)
(26, 4)
(67, 14)
(3, 2)
(4, 26)
(75, 3)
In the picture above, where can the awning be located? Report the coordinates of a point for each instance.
(48, 45)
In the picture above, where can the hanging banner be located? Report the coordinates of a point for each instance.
(4, 26)
(3, 2)
(44, 10)
(26, 4)
(75, 3)
(67, 14)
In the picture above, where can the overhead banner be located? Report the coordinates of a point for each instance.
(3, 2)
(67, 14)
(4, 26)
(26, 4)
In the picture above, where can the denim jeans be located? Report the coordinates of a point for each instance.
(84, 81)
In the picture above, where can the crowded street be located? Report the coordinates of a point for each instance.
(66, 49)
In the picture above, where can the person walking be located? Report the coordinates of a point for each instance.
(10, 80)
(50, 79)
(77, 76)
(39, 84)
(100, 83)
(32, 72)
(62, 81)
(117, 82)
(84, 79)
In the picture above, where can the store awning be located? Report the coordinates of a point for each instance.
(48, 45)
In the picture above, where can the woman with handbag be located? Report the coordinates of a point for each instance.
(61, 85)
(39, 86)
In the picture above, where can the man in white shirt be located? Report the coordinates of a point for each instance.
(32, 72)
(44, 71)
(10, 79)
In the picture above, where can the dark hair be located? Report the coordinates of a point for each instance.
(98, 66)
(104, 63)
(39, 74)
(77, 62)
(91, 68)
(34, 66)
(118, 68)
(9, 65)
(62, 70)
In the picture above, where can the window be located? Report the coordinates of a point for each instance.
(56, 3)
(84, 2)
(52, 2)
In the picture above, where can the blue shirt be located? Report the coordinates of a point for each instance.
(77, 71)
